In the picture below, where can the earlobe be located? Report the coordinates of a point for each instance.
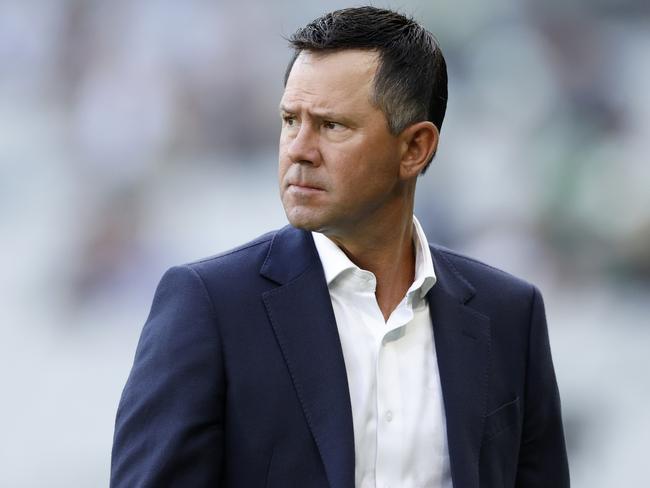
(421, 141)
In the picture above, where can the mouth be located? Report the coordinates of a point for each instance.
(304, 187)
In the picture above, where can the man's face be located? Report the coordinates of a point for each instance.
(338, 162)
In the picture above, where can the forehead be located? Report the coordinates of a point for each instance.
(335, 79)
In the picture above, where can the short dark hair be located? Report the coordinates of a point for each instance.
(410, 84)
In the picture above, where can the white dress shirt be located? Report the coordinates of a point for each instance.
(400, 436)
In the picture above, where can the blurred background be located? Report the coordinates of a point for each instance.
(139, 135)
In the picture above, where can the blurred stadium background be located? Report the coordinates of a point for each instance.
(126, 126)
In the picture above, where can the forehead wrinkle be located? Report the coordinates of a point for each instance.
(317, 106)
(339, 95)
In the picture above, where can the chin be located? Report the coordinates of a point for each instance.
(304, 224)
(302, 219)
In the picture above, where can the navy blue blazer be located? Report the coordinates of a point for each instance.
(239, 379)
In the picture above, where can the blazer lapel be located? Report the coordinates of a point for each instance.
(303, 321)
(462, 339)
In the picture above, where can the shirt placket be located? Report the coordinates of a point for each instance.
(390, 428)
(389, 418)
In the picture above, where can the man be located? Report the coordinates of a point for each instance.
(343, 350)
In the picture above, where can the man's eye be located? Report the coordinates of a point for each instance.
(333, 125)
(289, 120)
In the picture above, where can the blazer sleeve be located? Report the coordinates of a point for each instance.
(169, 424)
(542, 456)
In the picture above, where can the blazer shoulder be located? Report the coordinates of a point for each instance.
(245, 257)
(478, 273)
(231, 253)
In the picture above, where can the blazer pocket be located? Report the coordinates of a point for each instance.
(500, 419)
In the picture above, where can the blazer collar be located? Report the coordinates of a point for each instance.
(291, 252)
(449, 279)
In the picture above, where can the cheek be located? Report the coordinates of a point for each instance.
(351, 183)
(283, 165)
(360, 166)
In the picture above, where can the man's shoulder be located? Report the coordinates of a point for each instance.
(248, 254)
(229, 273)
(476, 273)
(276, 256)
(239, 252)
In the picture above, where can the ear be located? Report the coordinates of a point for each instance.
(419, 142)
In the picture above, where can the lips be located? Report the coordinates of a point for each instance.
(305, 186)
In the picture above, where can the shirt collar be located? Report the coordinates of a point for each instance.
(425, 276)
(335, 262)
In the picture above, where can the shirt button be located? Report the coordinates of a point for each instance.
(389, 416)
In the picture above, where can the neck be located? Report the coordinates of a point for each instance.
(385, 248)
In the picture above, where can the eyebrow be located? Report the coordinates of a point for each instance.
(322, 114)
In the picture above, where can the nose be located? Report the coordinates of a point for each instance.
(302, 146)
